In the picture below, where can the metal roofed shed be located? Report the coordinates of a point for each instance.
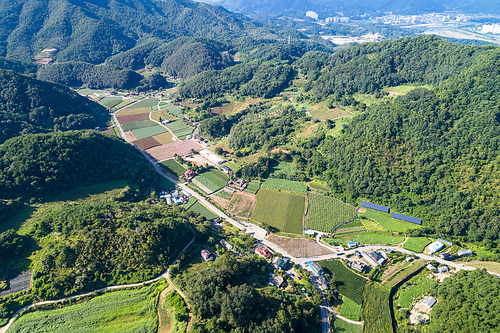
(429, 302)
(315, 267)
(406, 218)
(374, 206)
(444, 241)
(435, 247)
(464, 253)
(352, 245)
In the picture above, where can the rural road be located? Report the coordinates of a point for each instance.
(163, 275)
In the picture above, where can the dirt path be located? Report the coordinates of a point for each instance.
(164, 326)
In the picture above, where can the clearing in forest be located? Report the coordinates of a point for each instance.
(281, 210)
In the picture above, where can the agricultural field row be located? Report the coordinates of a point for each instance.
(412, 289)
(325, 213)
(285, 185)
(173, 167)
(402, 274)
(198, 208)
(138, 124)
(179, 128)
(224, 195)
(213, 179)
(376, 314)
(348, 283)
(341, 326)
(379, 238)
(253, 186)
(281, 210)
(118, 311)
(388, 223)
(142, 133)
(350, 309)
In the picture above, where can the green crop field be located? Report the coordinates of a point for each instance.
(213, 179)
(85, 92)
(179, 129)
(142, 133)
(403, 273)
(341, 326)
(416, 244)
(412, 289)
(119, 311)
(349, 284)
(224, 195)
(110, 102)
(280, 209)
(285, 185)
(123, 104)
(379, 238)
(165, 184)
(325, 213)
(387, 222)
(138, 124)
(252, 187)
(376, 313)
(173, 167)
(174, 110)
(350, 309)
(318, 185)
(146, 103)
(351, 225)
(198, 208)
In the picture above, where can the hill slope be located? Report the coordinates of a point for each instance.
(32, 106)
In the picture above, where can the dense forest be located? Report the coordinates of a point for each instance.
(104, 243)
(225, 299)
(38, 165)
(468, 302)
(31, 106)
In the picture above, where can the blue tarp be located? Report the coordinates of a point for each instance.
(406, 218)
(374, 206)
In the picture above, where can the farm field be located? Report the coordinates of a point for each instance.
(388, 223)
(350, 309)
(173, 167)
(318, 185)
(146, 103)
(325, 213)
(132, 118)
(345, 327)
(241, 204)
(142, 133)
(284, 168)
(285, 185)
(198, 208)
(281, 210)
(146, 143)
(110, 102)
(213, 179)
(123, 104)
(489, 265)
(174, 110)
(168, 151)
(416, 244)
(164, 138)
(132, 110)
(138, 124)
(224, 195)
(299, 247)
(378, 238)
(349, 283)
(376, 313)
(119, 311)
(179, 129)
(412, 289)
(85, 92)
(402, 274)
(165, 184)
(351, 226)
(156, 115)
(252, 187)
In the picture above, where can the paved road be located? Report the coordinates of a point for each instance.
(163, 275)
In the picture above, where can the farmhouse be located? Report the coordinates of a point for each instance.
(212, 157)
(368, 258)
(324, 281)
(445, 256)
(435, 247)
(431, 268)
(443, 269)
(377, 257)
(315, 267)
(226, 169)
(206, 255)
(358, 266)
(277, 281)
(189, 174)
(279, 263)
(263, 252)
(352, 245)
(240, 184)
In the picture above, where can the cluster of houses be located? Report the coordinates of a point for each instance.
(374, 258)
(442, 269)
(319, 270)
(175, 196)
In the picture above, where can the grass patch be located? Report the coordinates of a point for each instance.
(85, 92)
(146, 103)
(138, 124)
(350, 309)
(165, 184)
(119, 311)
(318, 185)
(284, 168)
(224, 195)
(198, 208)
(488, 265)
(348, 283)
(325, 213)
(388, 223)
(173, 167)
(412, 289)
(351, 225)
(233, 166)
(341, 326)
(376, 314)
(142, 133)
(378, 238)
(285, 185)
(279, 209)
(416, 244)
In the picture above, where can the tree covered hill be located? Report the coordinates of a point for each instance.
(31, 106)
(38, 165)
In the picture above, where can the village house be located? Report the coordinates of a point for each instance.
(263, 252)
(206, 255)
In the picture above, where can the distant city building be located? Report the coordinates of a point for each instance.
(490, 28)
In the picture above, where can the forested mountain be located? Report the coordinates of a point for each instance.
(31, 106)
(35, 166)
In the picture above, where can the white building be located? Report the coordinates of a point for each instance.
(212, 157)
(435, 247)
